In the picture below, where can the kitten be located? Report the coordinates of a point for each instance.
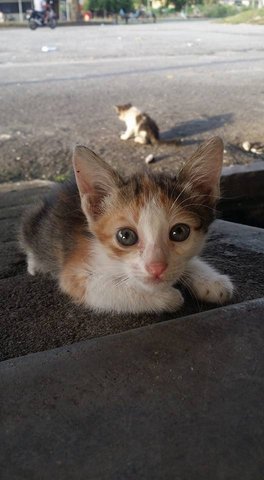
(140, 126)
(120, 244)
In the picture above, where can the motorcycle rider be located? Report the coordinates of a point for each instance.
(48, 9)
(42, 15)
(43, 9)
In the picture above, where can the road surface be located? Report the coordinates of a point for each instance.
(195, 78)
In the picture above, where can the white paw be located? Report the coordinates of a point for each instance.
(31, 270)
(150, 158)
(31, 264)
(123, 136)
(214, 290)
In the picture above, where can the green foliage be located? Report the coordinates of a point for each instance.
(218, 10)
(110, 6)
(209, 2)
(164, 11)
(61, 178)
(178, 4)
(249, 15)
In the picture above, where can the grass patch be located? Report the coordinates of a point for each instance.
(255, 16)
(218, 10)
(61, 178)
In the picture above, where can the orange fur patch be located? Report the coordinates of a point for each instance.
(73, 278)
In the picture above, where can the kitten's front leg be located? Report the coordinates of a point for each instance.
(127, 134)
(32, 264)
(206, 283)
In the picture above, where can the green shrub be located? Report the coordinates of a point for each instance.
(110, 6)
(249, 15)
(218, 10)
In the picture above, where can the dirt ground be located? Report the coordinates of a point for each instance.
(196, 79)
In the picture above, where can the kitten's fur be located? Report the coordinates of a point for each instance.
(72, 234)
(140, 126)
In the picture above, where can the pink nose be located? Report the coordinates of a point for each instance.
(156, 269)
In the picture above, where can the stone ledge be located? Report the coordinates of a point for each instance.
(181, 399)
(23, 185)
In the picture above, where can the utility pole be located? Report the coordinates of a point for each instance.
(68, 16)
(20, 9)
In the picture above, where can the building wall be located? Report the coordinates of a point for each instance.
(12, 8)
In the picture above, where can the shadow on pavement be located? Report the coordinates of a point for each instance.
(198, 126)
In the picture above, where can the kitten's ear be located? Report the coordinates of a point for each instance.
(116, 107)
(95, 179)
(203, 171)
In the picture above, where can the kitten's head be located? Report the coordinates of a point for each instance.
(122, 110)
(149, 225)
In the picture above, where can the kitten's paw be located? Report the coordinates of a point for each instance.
(31, 264)
(217, 290)
(123, 136)
(140, 140)
(31, 270)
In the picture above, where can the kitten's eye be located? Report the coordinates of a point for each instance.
(179, 232)
(126, 237)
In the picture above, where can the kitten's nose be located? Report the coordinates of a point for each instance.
(156, 269)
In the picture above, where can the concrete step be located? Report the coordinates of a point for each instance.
(180, 399)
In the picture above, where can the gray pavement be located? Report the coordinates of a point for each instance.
(196, 78)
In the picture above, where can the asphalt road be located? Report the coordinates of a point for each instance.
(195, 78)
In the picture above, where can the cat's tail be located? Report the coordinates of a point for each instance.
(152, 156)
(173, 141)
(155, 140)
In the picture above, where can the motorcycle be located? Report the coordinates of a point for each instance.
(41, 19)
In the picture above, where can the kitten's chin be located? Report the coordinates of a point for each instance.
(153, 284)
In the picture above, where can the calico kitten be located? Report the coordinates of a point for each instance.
(120, 244)
(140, 126)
